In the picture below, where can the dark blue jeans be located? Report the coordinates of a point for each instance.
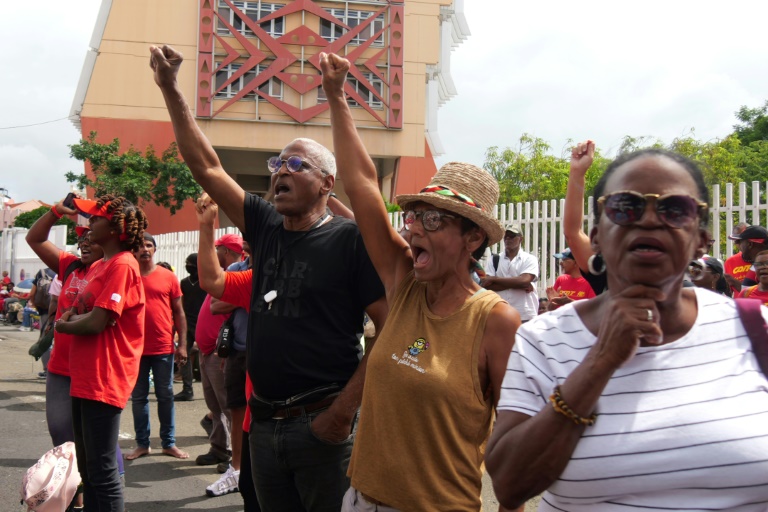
(293, 470)
(162, 374)
(96, 426)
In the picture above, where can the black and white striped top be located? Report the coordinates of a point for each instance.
(682, 426)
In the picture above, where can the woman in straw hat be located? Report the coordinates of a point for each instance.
(435, 376)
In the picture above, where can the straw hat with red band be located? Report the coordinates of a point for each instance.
(466, 190)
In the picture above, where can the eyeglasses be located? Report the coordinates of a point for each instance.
(292, 163)
(760, 264)
(627, 207)
(430, 219)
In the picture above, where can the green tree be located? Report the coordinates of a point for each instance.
(26, 219)
(164, 180)
(753, 124)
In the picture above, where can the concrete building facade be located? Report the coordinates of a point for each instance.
(251, 75)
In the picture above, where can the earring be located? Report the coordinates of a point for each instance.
(596, 264)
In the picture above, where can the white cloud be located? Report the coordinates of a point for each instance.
(555, 69)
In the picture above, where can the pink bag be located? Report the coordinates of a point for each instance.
(51, 483)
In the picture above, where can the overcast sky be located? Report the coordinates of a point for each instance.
(557, 70)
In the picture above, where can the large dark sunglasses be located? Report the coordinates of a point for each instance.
(430, 219)
(293, 163)
(627, 207)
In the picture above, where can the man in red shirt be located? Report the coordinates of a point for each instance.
(753, 240)
(736, 268)
(213, 314)
(570, 285)
(164, 313)
(760, 290)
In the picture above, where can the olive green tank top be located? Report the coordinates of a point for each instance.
(423, 421)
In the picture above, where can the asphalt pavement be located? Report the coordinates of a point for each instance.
(152, 484)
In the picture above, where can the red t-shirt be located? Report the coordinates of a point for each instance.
(76, 283)
(737, 267)
(208, 326)
(107, 363)
(237, 290)
(753, 292)
(161, 289)
(575, 288)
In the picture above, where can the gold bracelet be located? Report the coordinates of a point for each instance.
(559, 405)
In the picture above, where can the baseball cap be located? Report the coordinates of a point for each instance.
(232, 242)
(89, 208)
(81, 231)
(149, 238)
(757, 234)
(714, 264)
(565, 255)
(512, 228)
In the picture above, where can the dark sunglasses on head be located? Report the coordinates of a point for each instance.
(292, 163)
(627, 207)
(430, 219)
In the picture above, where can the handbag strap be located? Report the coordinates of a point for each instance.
(750, 312)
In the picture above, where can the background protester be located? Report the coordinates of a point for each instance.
(107, 325)
(590, 263)
(445, 336)
(192, 299)
(164, 315)
(752, 240)
(515, 276)
(570, 285)
(758, 291)
(736, 269)
(708, 273)
(610, 402)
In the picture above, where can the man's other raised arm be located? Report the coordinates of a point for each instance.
(194, 146)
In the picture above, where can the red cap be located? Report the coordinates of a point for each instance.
(232, 242)
(89, 207)
(81, 230)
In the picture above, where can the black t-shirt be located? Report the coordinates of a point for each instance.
(310, 336)
(192, 298)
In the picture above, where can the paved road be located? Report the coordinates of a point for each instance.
(153, 484)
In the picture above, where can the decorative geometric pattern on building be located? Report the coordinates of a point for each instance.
(269, 53)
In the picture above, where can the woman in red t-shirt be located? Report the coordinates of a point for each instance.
(107, 325)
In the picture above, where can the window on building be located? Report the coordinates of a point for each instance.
(273, 87)
(255, 11)
(331, 31)
(362, 90)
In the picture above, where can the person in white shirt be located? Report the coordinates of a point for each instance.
(513, 273)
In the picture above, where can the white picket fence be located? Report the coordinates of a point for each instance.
(540, 222)
(17, 256)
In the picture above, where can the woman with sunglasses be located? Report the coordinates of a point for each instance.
(435, 372)
(648, 396)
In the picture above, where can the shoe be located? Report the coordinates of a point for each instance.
(226, 484)
(184, 396)
(25, 329)
(207, 424)
(222, 467)
(42, 375)
(209, 459)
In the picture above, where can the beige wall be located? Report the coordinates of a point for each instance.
(122, 87)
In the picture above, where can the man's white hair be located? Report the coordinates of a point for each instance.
(320, 155)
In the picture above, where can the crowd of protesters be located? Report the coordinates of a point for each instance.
(637, 382)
